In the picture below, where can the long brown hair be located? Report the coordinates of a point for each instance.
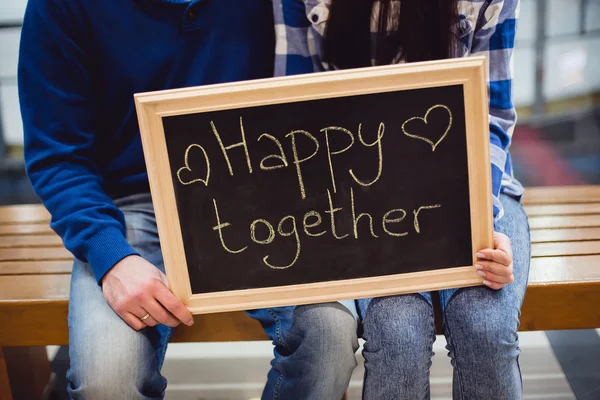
(422, 30)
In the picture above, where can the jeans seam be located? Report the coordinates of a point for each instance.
(453, 347)
(278, 366)
(431, 353)
(278, 334)
(279, 380)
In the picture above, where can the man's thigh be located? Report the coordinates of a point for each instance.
(108, 357)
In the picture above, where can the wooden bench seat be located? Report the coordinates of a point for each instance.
(564, 281)
(563, 290)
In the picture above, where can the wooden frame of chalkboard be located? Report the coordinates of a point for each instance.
(155, 108)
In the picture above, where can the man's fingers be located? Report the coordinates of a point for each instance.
(150, 321)
(170, 302)
(133, 321)
(141, 313)
(158, 312)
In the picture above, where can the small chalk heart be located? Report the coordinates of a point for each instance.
(187, 167)
(424, 119)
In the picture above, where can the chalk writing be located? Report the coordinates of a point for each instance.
(219, 227)
(298, 161)
(345, 212)
(355, 219)
(330, 153)
(314, 224)
(332, 212)
(271, 236)
(424, 119)
(416, 213)
(386, 221)
(280, 156)
(224, 149)
(186, 166)
(287, 227)
(377, 142)
(294, 232)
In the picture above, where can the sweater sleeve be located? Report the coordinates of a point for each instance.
(57, 99)
(494, 37)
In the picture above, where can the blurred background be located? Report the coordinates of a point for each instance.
(556, 142)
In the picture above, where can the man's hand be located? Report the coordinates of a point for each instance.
(496, 265)
(134, 288)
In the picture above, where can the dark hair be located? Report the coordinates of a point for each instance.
(424, 30)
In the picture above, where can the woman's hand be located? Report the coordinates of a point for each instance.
(496, 266)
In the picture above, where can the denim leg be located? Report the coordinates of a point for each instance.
(481, 324)
(110, 360)
(399, 332)
(314, 351)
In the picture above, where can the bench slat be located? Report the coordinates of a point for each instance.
(565, 249)
(43, 287)
(564, 235)
(24, 213)
(35, 267)
(573, 221)
(35, 254)
(575, 269)
(25, 229)
(564, 209)
(562, 194)
(30, 241)
(561, 306)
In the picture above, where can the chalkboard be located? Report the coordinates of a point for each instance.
(323, 190)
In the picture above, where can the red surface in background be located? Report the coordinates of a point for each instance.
(543, 164)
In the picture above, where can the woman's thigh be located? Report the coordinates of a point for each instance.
(515, 225)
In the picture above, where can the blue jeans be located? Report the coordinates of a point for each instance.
(480, 325)
(109, 360)
(314, 344)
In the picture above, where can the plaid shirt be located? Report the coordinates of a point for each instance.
(485, 27)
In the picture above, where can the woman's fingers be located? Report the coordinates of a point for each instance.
(502, 252)
(495, 275)
(499, 256)
(489, 276)
(494, 268)
(495, 265)
(494, 285)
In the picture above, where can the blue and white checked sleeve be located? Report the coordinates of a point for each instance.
(299, 29)
(299, 26)
(494, 37)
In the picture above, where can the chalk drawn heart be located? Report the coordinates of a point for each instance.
(187, 167)
(424, 119)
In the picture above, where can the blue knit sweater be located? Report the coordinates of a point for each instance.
(81, 63)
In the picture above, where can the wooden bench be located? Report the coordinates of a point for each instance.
(563, 291)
